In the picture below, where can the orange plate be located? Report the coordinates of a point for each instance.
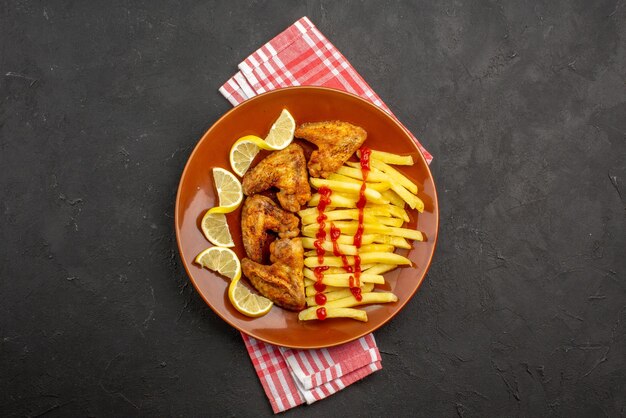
(196, 194)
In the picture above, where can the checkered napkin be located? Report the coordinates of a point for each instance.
(298, 56)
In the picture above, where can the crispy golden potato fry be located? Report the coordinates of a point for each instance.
(387, 221)
(357, 173)
(367, 298)
(341, 270)
(380, 268)
(376, 257)
(339, 294)
(350, 227)
(370, 209)
(398, 212)
(381, 248)
(338, 200)
(391, 240)
(345, 239)
(340, 177)
(351, 249)
(311, 314)
(354, 164)
(311, 291)
(340, 214)
(393, 198)
(342, 279)
(347, 249)
(340, 186)
(368, 219)
(390, 158)
(413, 201)
(406, 233)
(310, 232)
(396, 176)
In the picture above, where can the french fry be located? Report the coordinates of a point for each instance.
(310, 279)
(375, 185)
(369, 248)
(311, 314)
(340, 177)
(354, 164)
(399, 212)
(339, 186)
(390, 158)
(311, 291)
(366, 299)
(357, 173)
(413, 201)
(396, 176)
(357, 165)
(350, 227)
(340, 293)
(343, 279)
(372, 248)
(391, 240)
(337, 200)
(380, 268)
(375, 257)
(340, 214)
(393, 198)
(343, 239)
(346, 249)
(387, 221)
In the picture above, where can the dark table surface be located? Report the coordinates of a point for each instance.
(523, 312)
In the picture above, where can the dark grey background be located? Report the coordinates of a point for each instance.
(523, 106)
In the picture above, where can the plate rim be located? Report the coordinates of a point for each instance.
(204, 138)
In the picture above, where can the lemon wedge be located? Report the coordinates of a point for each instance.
(246, 302)
(221, 260)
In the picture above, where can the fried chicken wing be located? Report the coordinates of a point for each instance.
(336, 142)
(283, 281)
(260, 214)
(285, 170)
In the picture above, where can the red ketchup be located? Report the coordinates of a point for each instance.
(320, 299)
(324, 193)
(321, 313)
(319, 276)
(356, 292)
(320, 236)
(355, 282)
(360, 204)
(335, 233)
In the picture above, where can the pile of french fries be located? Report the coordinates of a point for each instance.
(387, 192)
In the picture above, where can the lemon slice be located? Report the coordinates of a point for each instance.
(221, 260)
(229, 191)
(246, 302)
(242, 154)
(247, 147)
(281, 132)
(215, 229)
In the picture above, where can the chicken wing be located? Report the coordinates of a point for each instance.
(336, 142)
(283, 281)
(285, 170)
(260, 214)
